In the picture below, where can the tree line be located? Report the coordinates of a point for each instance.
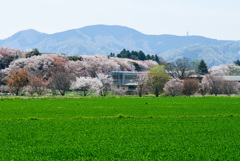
(54, 73)
(37, 73)
(179, 78)
(135, 55)
(157, 80)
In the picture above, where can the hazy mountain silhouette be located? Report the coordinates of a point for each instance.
(103, 39)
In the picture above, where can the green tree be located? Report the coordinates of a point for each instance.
(237, 62)
(112, 55)
(133, 55)
(136, 65)
(141, 55)
(152, 57)
(195, 64)
(122, 54)
(148, 57)
(202, 67)
(156, 58)
(75, 58)
(157, 79)
(136, 55)
(32, 53)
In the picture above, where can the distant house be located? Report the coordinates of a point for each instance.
(128, 80)
(198, 77)
(125, 79)
(225, 77)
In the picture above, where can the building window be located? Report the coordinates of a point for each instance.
(131, 87)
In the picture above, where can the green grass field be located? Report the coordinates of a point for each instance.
(204, 128)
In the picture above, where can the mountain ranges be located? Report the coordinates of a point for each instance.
(104, 39)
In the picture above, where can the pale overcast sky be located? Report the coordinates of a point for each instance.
(210, 18)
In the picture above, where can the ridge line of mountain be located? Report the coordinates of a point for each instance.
(104, 39)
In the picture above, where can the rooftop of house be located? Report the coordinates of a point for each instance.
(126, 72)
(231, 78)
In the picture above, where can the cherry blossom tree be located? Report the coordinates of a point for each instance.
(230, 87)
(173, 87)
(99, 64)
(88, 66)
(107, 83)
(142, 83)
(19, 63)
(79, 68)
(8, 55)
(39, 65)
(12, 51)
(127, 64)
(86, 85)
(37, 84)
(215, 83)
(204, 88)
(29, 90)
(120, 91)
(60, 76)
(225, 69)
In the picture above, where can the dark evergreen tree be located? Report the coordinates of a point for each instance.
(202, 67)
(32, 53)
(237, 62)
(141, 55)
(75, 58)
(148, 57)
(111, 55)
(136, 65)
(152, 57)
(156, 58)
(122, 54)
(127, 54)
(135, 55)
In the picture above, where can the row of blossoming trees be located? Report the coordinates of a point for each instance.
(158, 81)
(60, 73)
(210, 85)
(36, 74)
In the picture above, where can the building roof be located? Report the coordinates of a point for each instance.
(231, 78)
(126, 72)
(130, 84)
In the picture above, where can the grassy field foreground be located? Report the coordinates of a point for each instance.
(120, 129)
